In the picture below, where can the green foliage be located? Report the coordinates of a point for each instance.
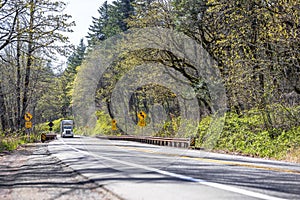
(103, 125)
(34, 30)
(49, 104)
(245, 134)
(12, 141)
(44, 127)
(56, 126)
(111, 21)
(202, 130)
(76, 58)
(167, 130)
(66, 81)
(254, 43)
(248, 39)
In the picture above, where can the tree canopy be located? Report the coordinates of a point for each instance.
(255, 44)
(31, 32)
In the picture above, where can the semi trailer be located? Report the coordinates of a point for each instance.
(66, 128)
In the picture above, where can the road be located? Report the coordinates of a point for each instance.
(140, 171)
(31, 173)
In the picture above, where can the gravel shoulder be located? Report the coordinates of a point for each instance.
(32, 173)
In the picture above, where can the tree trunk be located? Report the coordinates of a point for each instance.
(2, 109)
(18, 83)
(29, 62)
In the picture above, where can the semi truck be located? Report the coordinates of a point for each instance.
(66, 128)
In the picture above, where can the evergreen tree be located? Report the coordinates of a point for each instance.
(66, 82)
(76, 57)
(127, 10)
(97, 28)
(111, 20)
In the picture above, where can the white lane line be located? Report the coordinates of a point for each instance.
(182, 177)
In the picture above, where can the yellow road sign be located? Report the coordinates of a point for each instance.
(114, 125)
(28, 124)
(142, 118)
(142, 122)
(27, 116)
(142, 115)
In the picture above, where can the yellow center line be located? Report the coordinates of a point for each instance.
(232, 163)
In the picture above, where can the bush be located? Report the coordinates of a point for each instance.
(12, 141)
(246, 135)
(103, 125)
(44, 127)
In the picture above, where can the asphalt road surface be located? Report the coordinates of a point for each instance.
(31, 173)
(135, 171)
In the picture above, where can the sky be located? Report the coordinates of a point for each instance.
(82, 12)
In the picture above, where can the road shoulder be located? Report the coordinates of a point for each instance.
(31, 172)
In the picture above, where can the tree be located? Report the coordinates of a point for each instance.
(48, 102)
(164, 13)
(96, 30)
(255, 42)
(10, 11)
(127, 10)
(67, 79)
(152, 13)
(77, 57)
(112, 20)
(31, 38)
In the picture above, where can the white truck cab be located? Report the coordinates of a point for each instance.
(66, 128)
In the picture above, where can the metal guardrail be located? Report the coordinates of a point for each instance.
(161, 141)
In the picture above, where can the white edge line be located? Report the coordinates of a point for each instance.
(183, 177)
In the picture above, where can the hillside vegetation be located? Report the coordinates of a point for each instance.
(253, 46)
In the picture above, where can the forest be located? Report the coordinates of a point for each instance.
(256, 45)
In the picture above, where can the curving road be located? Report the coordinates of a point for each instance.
(140, 171)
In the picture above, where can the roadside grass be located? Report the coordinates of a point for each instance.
(13, 141)
(246, 135)
(293, 155)
(243, 134)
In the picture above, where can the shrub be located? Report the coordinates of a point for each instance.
(103, 125)
(246, 135)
